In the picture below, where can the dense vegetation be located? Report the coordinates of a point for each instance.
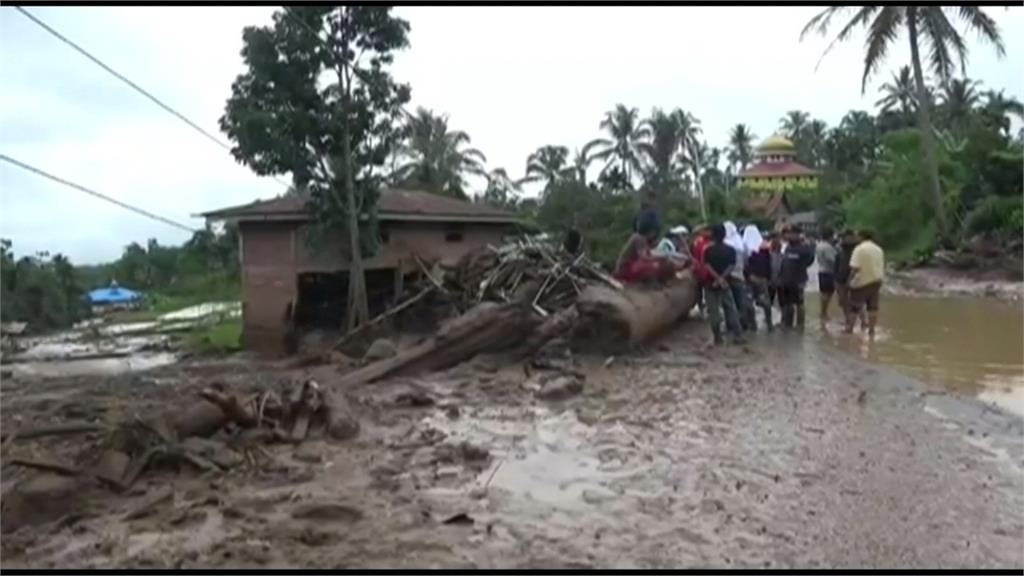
(935, 162)
(49, 292)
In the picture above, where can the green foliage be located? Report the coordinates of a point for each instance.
(222, 338)
(1002, 217)
(436, 158)
(45, 292)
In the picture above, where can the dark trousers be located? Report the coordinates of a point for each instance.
(744, 307)
(762, 296)
(719, 303)
(791, 298)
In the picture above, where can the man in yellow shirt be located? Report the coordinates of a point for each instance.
(867, 270)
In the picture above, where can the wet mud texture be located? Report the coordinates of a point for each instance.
(785, 453)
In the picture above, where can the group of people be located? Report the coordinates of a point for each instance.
(740, 272)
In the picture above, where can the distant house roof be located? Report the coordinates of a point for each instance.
(768, 169)
(393, 205)
(774, 205)
(803, 218)
(113, 294)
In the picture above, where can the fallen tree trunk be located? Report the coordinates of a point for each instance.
(611, 321)
(487, 327)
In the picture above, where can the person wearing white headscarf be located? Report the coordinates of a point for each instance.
(738, 280)
(752, 239)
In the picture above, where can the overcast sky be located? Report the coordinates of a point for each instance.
(514, 78)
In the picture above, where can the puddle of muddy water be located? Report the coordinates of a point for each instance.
(974, 346)
(89, 366)
(202, 310)
(548, 457)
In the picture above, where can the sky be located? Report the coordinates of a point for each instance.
(513, 77)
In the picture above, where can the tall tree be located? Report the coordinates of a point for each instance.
(437, 159)
(999, 107)
(626, 132)
(584, 157)
(932, 25)
(547, 164)
(900, 94)
(741, 146)
(959, 97)
(689, 140)
(794, 123)
(660, 153)
(502, 191)
(326, 109)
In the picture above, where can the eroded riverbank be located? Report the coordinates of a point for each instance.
(787, 453)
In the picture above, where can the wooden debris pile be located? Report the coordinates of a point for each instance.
(548, 276)
(219, 432)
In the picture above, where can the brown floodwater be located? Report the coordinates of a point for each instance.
(972, 345)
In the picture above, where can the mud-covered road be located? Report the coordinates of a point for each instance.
(785, 453)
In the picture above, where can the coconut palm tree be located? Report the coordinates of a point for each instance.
(813, 141)
(547, 164)
(626, 130)
(899, 94)
(741, 146)
(930, 24)
(793, 124)
(502, 191)
(959, 97)
(999, 107)
(437, 159)
(660, 153)
(689, 140)
(584, 157)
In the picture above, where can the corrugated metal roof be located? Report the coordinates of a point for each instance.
(394, 204)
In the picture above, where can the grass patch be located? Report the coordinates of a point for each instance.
(222, 338)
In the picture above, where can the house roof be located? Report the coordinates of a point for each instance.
(769, 169)
(112, 295)
(394, 204)
(767, 205)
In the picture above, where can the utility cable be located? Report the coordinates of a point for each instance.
(133, 85)
(99, 195)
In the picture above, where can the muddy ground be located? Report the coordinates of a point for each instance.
(784, 453)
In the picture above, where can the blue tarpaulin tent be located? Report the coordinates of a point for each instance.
(113, 294)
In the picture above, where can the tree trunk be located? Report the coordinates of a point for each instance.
(924, 123)
(612, 321)
(357, 310)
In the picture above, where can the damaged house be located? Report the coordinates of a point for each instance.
(290, 283)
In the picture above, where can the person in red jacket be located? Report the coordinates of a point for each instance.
(701, 239)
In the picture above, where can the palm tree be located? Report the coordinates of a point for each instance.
(741, 146)
(501, 191)
(933, 25)
(793, 124)
(586, 156)
(689, 135)
(436, 158)
(548, 163)
(999, 107)
(626, 131)
(661, 151)
(814, 142)
(899, 94)
(959, 97)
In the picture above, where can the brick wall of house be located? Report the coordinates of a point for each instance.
(274, 253)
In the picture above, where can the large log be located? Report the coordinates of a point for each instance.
(487, 327)
(612, 321)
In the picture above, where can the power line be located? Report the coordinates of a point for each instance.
(99, 195)
(133, 85)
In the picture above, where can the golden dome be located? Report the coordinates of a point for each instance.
(776, 143)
